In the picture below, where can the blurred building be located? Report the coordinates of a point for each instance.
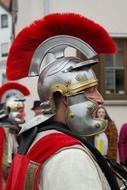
(5, 35)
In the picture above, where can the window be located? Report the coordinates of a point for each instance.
(4, 49)
(112, 72)
(4, 21)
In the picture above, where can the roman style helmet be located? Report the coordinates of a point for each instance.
(66, 74)
(12, 95)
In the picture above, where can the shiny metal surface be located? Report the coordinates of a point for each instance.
(56, 46)
(55, 77)
(80, 116)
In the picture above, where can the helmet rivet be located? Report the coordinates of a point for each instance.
(71, 114)
(97, 125)
(68, 82)
(78, 77)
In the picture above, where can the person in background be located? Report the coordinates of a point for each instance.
(122, 145)
(101, 143)
(109, 138)
(37, 108)
(53, 145)
(12, 114)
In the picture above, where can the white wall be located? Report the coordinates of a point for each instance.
(111, 14)
(31, 83)
(28, 11)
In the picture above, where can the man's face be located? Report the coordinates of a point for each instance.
(38, 111)
(21, 114)
(93, 94)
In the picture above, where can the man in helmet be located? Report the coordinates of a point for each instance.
(53, 154)
(12, 114)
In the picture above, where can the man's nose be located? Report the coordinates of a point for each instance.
(98, 97)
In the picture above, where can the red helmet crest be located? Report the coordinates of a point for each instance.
(32, 36)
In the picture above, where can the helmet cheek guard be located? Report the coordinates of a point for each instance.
(79, 107)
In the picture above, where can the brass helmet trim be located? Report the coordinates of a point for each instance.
(69, 90)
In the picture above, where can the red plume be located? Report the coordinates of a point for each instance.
(13, 85)
(71, 24)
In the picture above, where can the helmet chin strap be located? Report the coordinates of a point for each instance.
(80, 116)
